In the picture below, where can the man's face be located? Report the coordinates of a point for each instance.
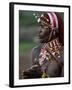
(44, 31)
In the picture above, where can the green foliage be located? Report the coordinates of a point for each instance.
(26, 18)
(26, 46)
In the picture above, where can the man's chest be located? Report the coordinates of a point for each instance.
(51, 51)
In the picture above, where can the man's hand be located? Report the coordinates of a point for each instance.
(33, 72)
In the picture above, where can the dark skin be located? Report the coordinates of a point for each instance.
(33, 72)
(54, 68)
(44, 33)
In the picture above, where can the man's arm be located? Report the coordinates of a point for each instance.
(35, 70)
(35, 54)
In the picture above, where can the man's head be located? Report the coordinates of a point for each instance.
(44, 31)
(49, 26)
(45, 27)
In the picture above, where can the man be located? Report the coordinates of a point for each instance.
(48, 56)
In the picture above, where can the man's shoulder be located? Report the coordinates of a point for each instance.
(35, 53)
(37, 48)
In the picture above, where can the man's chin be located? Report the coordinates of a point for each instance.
(41, 36)
(42, 40)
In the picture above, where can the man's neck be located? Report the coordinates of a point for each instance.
(45, 40)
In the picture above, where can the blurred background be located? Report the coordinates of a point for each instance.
(28, 39)
(28, 30)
